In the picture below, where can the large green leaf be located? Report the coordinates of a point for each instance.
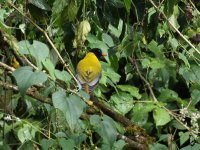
(66, 144)
(169, 7)
(127, 4)
(157, 146)
(161, 116)
(46, 144)
(156, 49)
(40, 4)
(131, 90)
(63, 75)
(140, 112)
(27, 132)
(122, 102)
(195, 95)
(107, 131)
(25, 78)
(71, 106)
(191, 75)
(109, 72)
(183, 137)
(37, 49)
(107, 39)
(49, 66)
(58, 7)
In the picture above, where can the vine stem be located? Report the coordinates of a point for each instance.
(66, 66)
(171, 24)
(133, 61)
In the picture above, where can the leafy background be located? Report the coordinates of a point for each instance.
(151, 75)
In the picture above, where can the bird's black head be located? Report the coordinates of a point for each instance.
(97, 52)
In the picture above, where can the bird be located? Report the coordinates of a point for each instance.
(89, 70)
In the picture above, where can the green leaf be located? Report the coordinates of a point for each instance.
(96, 43)
(145, 62)
(116, 31)
(107, 131)
(107, 39)
(58, 7)
(184, 137)
(127, 4)
(184, 59)
(161, 116)
(37, 49)
(95, 120)
(191, 75)
(174, 22)
(26, 133)
(25, 78)
(195, 94)
(122, 102)
(167, 94)
(141, 118)
(40, 4)
(174, 43)
(157, 63)
(24, 47)
(47, 144)
(169, 7)
(71, 106)
(119, 145)
(156, 49)
(131, 90)
(63, 75)
(109, 72)
(191, 147)
(26, 145)
(50, 67)
(158, 146)
(66, 144)
(177, 125)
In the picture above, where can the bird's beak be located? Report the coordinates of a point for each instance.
(104, 54)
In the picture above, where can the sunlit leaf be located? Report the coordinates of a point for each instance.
(141, 118)
(40, 4)
(108, 40)
(184, 137)
(161, 116)
(121, 102)
(130, 89)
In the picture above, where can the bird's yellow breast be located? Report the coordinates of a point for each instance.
(89, 68)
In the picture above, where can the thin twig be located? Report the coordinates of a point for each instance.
(7, 67)
(133, 61)
(29, 92)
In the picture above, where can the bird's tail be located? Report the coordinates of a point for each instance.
(87, 90)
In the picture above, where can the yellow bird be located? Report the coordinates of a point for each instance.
(89, 70)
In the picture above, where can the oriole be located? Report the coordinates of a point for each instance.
(89, 70)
